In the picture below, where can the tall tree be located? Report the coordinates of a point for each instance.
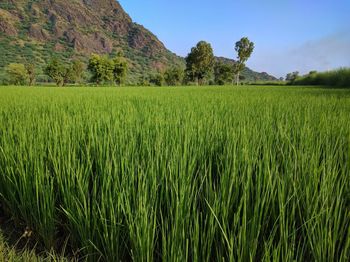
(200, 62)
(244, 49)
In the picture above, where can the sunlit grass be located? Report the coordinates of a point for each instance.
(180, 174)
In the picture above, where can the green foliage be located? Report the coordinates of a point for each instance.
(291, 77)
(16, 74)
(143, 81)
(7, 5)
(156, 79)
(174, 76)
(244, 49)
(30, 67)
(249, 74)
(57, 71)
(64, 73)
(101, 68)
(180, 174)
(223, 73)
(336, 78)
(237, 69)
(200, 63)
(76, 71)
(104, 69)
(268, 83)
(120, 69)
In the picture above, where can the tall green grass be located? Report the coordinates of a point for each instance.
(179, 174)
(333, 78)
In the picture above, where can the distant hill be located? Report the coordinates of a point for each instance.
(36, 30)
(247, 73)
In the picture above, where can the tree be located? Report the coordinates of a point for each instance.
(30, 67)
(237, 69)
(120, 68)
(291, 77)
(56, 71)
(244, 49)
(200, 62)
(17, 74)
(101, 68)
(105, 69)
(143, 81)
(63, 74)
(174, 76)
(157, 79)
(76, 71)
(223, 73)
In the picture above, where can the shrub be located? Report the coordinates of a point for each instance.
(17, 74)
(338, 78)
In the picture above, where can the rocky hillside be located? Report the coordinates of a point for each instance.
(36, 30)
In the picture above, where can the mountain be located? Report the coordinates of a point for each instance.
(247, 73)
(36, 30)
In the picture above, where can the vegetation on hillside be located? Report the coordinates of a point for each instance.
(39, 31)
(201, 68)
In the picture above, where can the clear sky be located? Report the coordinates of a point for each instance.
(289, 35)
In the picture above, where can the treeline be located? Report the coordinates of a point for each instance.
(337, 78)
(201, 69)
(100, 69)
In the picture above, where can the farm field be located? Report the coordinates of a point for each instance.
(178, 174)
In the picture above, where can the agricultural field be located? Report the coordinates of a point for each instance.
(178, 174)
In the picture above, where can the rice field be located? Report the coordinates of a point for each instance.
(179, 174)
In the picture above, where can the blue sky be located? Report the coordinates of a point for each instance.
(289, 35)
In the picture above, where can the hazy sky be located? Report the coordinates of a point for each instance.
(289, 35)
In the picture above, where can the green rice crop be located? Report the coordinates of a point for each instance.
(179, 174)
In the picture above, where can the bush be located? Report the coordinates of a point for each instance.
(156, 80)
(17, 74)
(339, 78)
(174, 76)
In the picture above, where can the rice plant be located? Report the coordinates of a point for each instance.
(179, 174)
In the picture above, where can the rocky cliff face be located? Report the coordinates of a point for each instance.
(87, 25)
(79, 28)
